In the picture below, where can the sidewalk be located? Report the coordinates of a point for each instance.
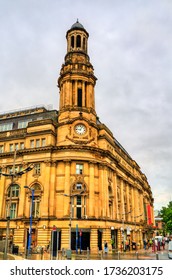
(140, 254)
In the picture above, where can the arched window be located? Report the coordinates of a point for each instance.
(78, 41)
(79, 97)
(72, 42)
(84, 44)
(12, 201)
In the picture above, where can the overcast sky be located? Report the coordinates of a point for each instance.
(130, 48)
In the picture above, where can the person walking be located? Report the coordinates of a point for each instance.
(145, 243)
(163, 244)
(105, 247)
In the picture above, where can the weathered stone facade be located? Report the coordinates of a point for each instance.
(80, 170)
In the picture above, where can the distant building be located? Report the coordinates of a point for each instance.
(83, 179)
(159, 225)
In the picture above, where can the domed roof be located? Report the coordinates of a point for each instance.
(77, 25)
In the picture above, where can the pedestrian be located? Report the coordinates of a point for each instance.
(156, 244)
(112, 243)
(145, 243)
(127, 245)
(150, 243)
(163, 244)
(105, 247)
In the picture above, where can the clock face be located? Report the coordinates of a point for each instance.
(80, 129)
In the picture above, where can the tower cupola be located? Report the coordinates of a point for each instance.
(77, 81)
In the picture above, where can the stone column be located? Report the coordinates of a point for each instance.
(21, 210)
(115, 196)
(67, 189)
(52, 190)
(91, 191)
(76, 93)
(133, 205)
(83, 93)
(101, 192)
(46, 179)
(2, 196)
(105, 190)
(94, 240)
(136, 203)
(128, 203)
(122, 199)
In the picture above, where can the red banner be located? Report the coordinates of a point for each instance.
(149, 216)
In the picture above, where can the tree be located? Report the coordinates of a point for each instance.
(166, 214)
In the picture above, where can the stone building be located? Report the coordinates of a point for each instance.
(85, 183)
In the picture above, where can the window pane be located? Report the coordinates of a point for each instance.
(78, 200)
(37, 169)
(13, 210)
(6, 126)
(11, 147)
(78, 212)
(79, 168)
(14, 191)
(35, 209)
(43, 142)
(78, 186)
(21, 145)
(23, 124)
(38, 143)
(31, 143)
(1, 149)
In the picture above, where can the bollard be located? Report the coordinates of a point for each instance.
(157, 256)
(137, 256)
(118, 255)
(101, 255)
(88, 254)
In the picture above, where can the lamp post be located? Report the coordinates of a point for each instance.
(122, 229)
(135, 223)
(13, 175)
(30, 227)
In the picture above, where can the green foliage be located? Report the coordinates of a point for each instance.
(166, 214)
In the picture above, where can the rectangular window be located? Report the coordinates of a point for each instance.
(78, 200)
(1, 149)
(16, 146)
(21, 145)
(23, 124)
(31, 143)
(13, 210)
(36, 206)
(15, 191)
(37, 143)
(43, 142)
(6, 126)
(37, 169)
(78, 212)
(11, 147)
(10, 170)
(79, 168)
(79, 207)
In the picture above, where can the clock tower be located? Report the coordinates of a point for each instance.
(77, 115)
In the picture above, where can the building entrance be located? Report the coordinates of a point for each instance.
(83, 241)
